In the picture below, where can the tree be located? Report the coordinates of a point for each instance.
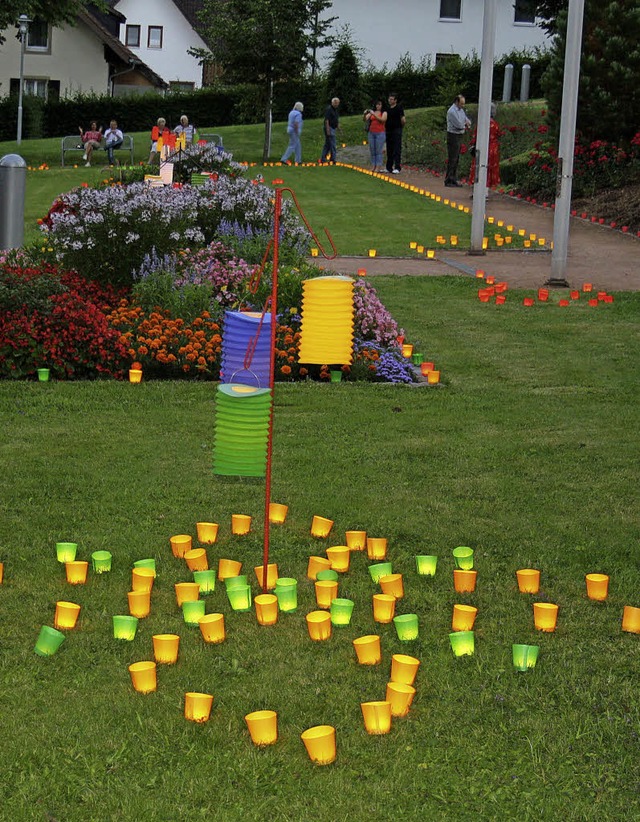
(262, 42)
(319, 36)
(609, 96)
(62, 11)
(549, 10)
(343, 79)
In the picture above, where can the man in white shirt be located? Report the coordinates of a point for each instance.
(457, 124)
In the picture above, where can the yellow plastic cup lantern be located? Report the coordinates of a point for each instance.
(143, 677)
(207, 532)
(263, 727)
(212, 628)
(404, 668)
(368, 650)
(165, 648)
(66, 615)
(320, 744)
(319, 625)
(266, 609)
(377, 717)
(528, 580)
(197, 706)
(384, 608)
(400, 696)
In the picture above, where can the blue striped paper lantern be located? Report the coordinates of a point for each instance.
(238, 330)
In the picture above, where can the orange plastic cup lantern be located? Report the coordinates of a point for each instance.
(545, 616)
(142, 579)
(197, 706)
(212, 628)
(392, 584)
(399, 696)
(240, 524)
(376, 547)
(407, 350)
(207, 532)
(319, 625)
(384, 608)
(339, 556)
(66, 615)
(464, 617)
(135, 375)
(433, 377)
(326, 592)
(263, 727)
(597, 586)
(368, 650)
(277, 513)
(143, 677)
(196, 559)
(272, 575)
(464, 582)
(266, 609)
(528, 580)
(356, 540)
(631, 619)
(1, 572)
(377, 717)
(320, 743)
(76, 572)
(317, 564)
(180, 544)
(320, 526)
(186, 592)
(165, 648)
(228, 568)
(404, 669)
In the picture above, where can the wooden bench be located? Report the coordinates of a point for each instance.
(72, 143)
(216, 139)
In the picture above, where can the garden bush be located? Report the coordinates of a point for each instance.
(105, 234)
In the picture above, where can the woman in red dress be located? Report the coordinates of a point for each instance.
(493, 164)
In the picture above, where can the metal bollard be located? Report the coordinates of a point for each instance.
(13, 178)
(507, 84)
(524, 83)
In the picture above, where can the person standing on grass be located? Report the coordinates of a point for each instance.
(294, 130)
(331, 125)
(375, 119)
(457, 124)
(113, 139)
(393, 128)
(91, 138)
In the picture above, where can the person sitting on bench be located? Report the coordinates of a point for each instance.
(91, 138)
(113, 138)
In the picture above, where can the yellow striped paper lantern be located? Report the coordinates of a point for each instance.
(326, 332)
(241, 433)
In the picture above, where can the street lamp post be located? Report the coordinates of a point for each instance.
(23, 29)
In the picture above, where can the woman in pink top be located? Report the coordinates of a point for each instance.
(90, 139)
(376, 118)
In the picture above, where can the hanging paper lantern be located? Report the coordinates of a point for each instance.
(326, 332)
(241, 329)
(241, 430)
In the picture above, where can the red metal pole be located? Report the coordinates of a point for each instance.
(272, 370)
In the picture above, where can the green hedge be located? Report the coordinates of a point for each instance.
(418, 85)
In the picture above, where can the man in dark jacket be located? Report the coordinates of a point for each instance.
(331, 124)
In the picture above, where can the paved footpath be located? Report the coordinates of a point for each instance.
(603, 256)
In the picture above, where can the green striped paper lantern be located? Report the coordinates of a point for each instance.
(241, 433)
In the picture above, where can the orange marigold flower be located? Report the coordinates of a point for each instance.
(142, 350)
(186, 367)
(191, 357)
(291, 359)
(303, 372)
(285, 369)
(202, 361)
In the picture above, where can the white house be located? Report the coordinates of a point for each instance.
(60, 61)
(160, 32)
(433, 29)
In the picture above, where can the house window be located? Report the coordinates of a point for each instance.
(132, 37)
(450, 9)
(37, 36)
(154, 37)
(45, 89)
(177, 86)
(525, 12)
(444, 57)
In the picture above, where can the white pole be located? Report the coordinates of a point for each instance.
(23, 35)
(566, 145)
(482, 133)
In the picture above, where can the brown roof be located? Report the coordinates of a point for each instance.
(190, 9)
(119, 50)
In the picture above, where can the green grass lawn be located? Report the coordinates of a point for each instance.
(527, 454)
